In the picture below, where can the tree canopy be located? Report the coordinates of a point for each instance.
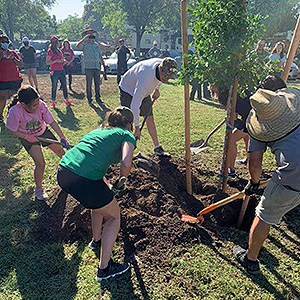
(71, 28)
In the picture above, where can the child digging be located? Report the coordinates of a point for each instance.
(28, 117)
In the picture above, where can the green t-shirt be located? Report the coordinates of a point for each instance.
(96, 151)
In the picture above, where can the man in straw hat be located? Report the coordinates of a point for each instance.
(136, 86)
(274, 122)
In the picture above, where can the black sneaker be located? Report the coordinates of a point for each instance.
(161, 152)
(242, 161)
(240, 254)
(94, 245)
(231, 172)
(113, 269)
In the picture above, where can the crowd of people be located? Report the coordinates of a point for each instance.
(270, 117)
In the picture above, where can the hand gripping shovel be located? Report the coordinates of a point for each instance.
(206, 210)
(201, 145)
(46, 140)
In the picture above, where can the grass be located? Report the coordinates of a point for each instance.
(32, 269)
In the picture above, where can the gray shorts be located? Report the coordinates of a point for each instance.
(29, 66)
(275, 202)
(145, 108)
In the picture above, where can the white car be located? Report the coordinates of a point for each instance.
(294, 71)
(111, 63)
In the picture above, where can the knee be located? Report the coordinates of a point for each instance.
(40, 165)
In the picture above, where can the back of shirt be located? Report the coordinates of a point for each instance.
(287, 154)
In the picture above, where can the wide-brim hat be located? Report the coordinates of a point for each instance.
(89, 30)
(274, 114)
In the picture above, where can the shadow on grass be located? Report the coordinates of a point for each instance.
(41, 269)
(68, 119)
(11, 144)
(208, 102)
(101, 110)
(76, 95)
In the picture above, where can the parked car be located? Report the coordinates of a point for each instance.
(78, 60)
(41, 47)
(294, 71)
(111, 63)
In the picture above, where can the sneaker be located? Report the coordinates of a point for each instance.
(159, 150)
(52, 105)
(240, 254)
(69, 103)
(112, 270)
(242, 161)
(40, 194)
(231, 172)
(94, 245)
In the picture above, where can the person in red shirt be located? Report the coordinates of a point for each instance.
(10, 77)
(56, 61)
(69, 57)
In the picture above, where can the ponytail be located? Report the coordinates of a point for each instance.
(119, 117)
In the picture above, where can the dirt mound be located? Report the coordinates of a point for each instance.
(151, 210)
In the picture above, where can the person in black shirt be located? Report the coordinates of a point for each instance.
(28, 55)
(122, 52)
(166, 52)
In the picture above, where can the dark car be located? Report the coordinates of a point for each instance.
(78, 60)
(41, 47)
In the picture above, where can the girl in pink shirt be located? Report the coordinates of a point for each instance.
(56, 62)
(28, 117)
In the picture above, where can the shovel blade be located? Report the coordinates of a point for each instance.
(197, 144)
(189, 219)
(196, 150)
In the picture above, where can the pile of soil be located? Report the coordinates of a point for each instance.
(151, 209)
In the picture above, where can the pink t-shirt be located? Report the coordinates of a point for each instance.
(56, 66)
(19, 119)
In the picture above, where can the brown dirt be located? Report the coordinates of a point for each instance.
(151, 210)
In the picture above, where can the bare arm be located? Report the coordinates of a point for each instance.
(102, 62)
(79, 44)
(51, 62)
(127, 154)
(16, 133)
(57, 129)
(17, 61)
(255, 165)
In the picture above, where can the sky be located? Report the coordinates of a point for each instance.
(63, 8)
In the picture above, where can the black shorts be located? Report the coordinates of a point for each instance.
(10, 85)
(240, 125)
(47, 134)
(145, 108)
(91, 194)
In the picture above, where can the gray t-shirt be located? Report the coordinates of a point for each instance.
(287, 153)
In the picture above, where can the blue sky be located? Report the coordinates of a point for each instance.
(63, 8)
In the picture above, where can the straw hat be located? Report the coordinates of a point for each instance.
(274, 114)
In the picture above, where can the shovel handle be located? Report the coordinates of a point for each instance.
(214, 130)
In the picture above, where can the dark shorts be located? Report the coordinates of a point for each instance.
(10, 85)
(145, 108)
(47, 134)
(91, 194)
(240, 125)
(29, 66)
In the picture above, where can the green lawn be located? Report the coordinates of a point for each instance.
(34, 269)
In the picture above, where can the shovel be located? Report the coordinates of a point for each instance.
(206, 210)
(201, 145)
(50, 141)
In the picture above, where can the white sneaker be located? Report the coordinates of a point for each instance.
(40, 194)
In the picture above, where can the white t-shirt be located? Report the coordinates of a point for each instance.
(139, 82)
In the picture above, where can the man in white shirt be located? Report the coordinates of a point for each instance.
(136, 86)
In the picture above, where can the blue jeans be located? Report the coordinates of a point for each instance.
(61, 76)
(89, 75)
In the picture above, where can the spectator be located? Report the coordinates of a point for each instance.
(69, 58)
(10, 77)
(154, 51)
(278, 54)
(28, 55)
(92, 58)
(260, 51)
(166, 52)
(56, 62)
(136, 86)
(81, 173)
(196, 87)
(124, 55)
(273, 122)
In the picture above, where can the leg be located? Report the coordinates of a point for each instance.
(193, 90)
(62, 79)
(54, 80)
(199, 93)
(33, 73)
(88, 78)
(152, 130)
(235, 137)
(4, 95)
(206, 92)
(111, 214)
(37, 155)
(258, 234)
(97, 85)
(30, 79)
(70, 77)
(97, 220)
(57, 149)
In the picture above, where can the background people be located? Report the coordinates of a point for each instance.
(10, 76)
(154, 51)
(166, 52)
(278, 54)
(56, 62)
(92, 59)
(28, 55)
(69, 58)
(81, 174)
(124, 55)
